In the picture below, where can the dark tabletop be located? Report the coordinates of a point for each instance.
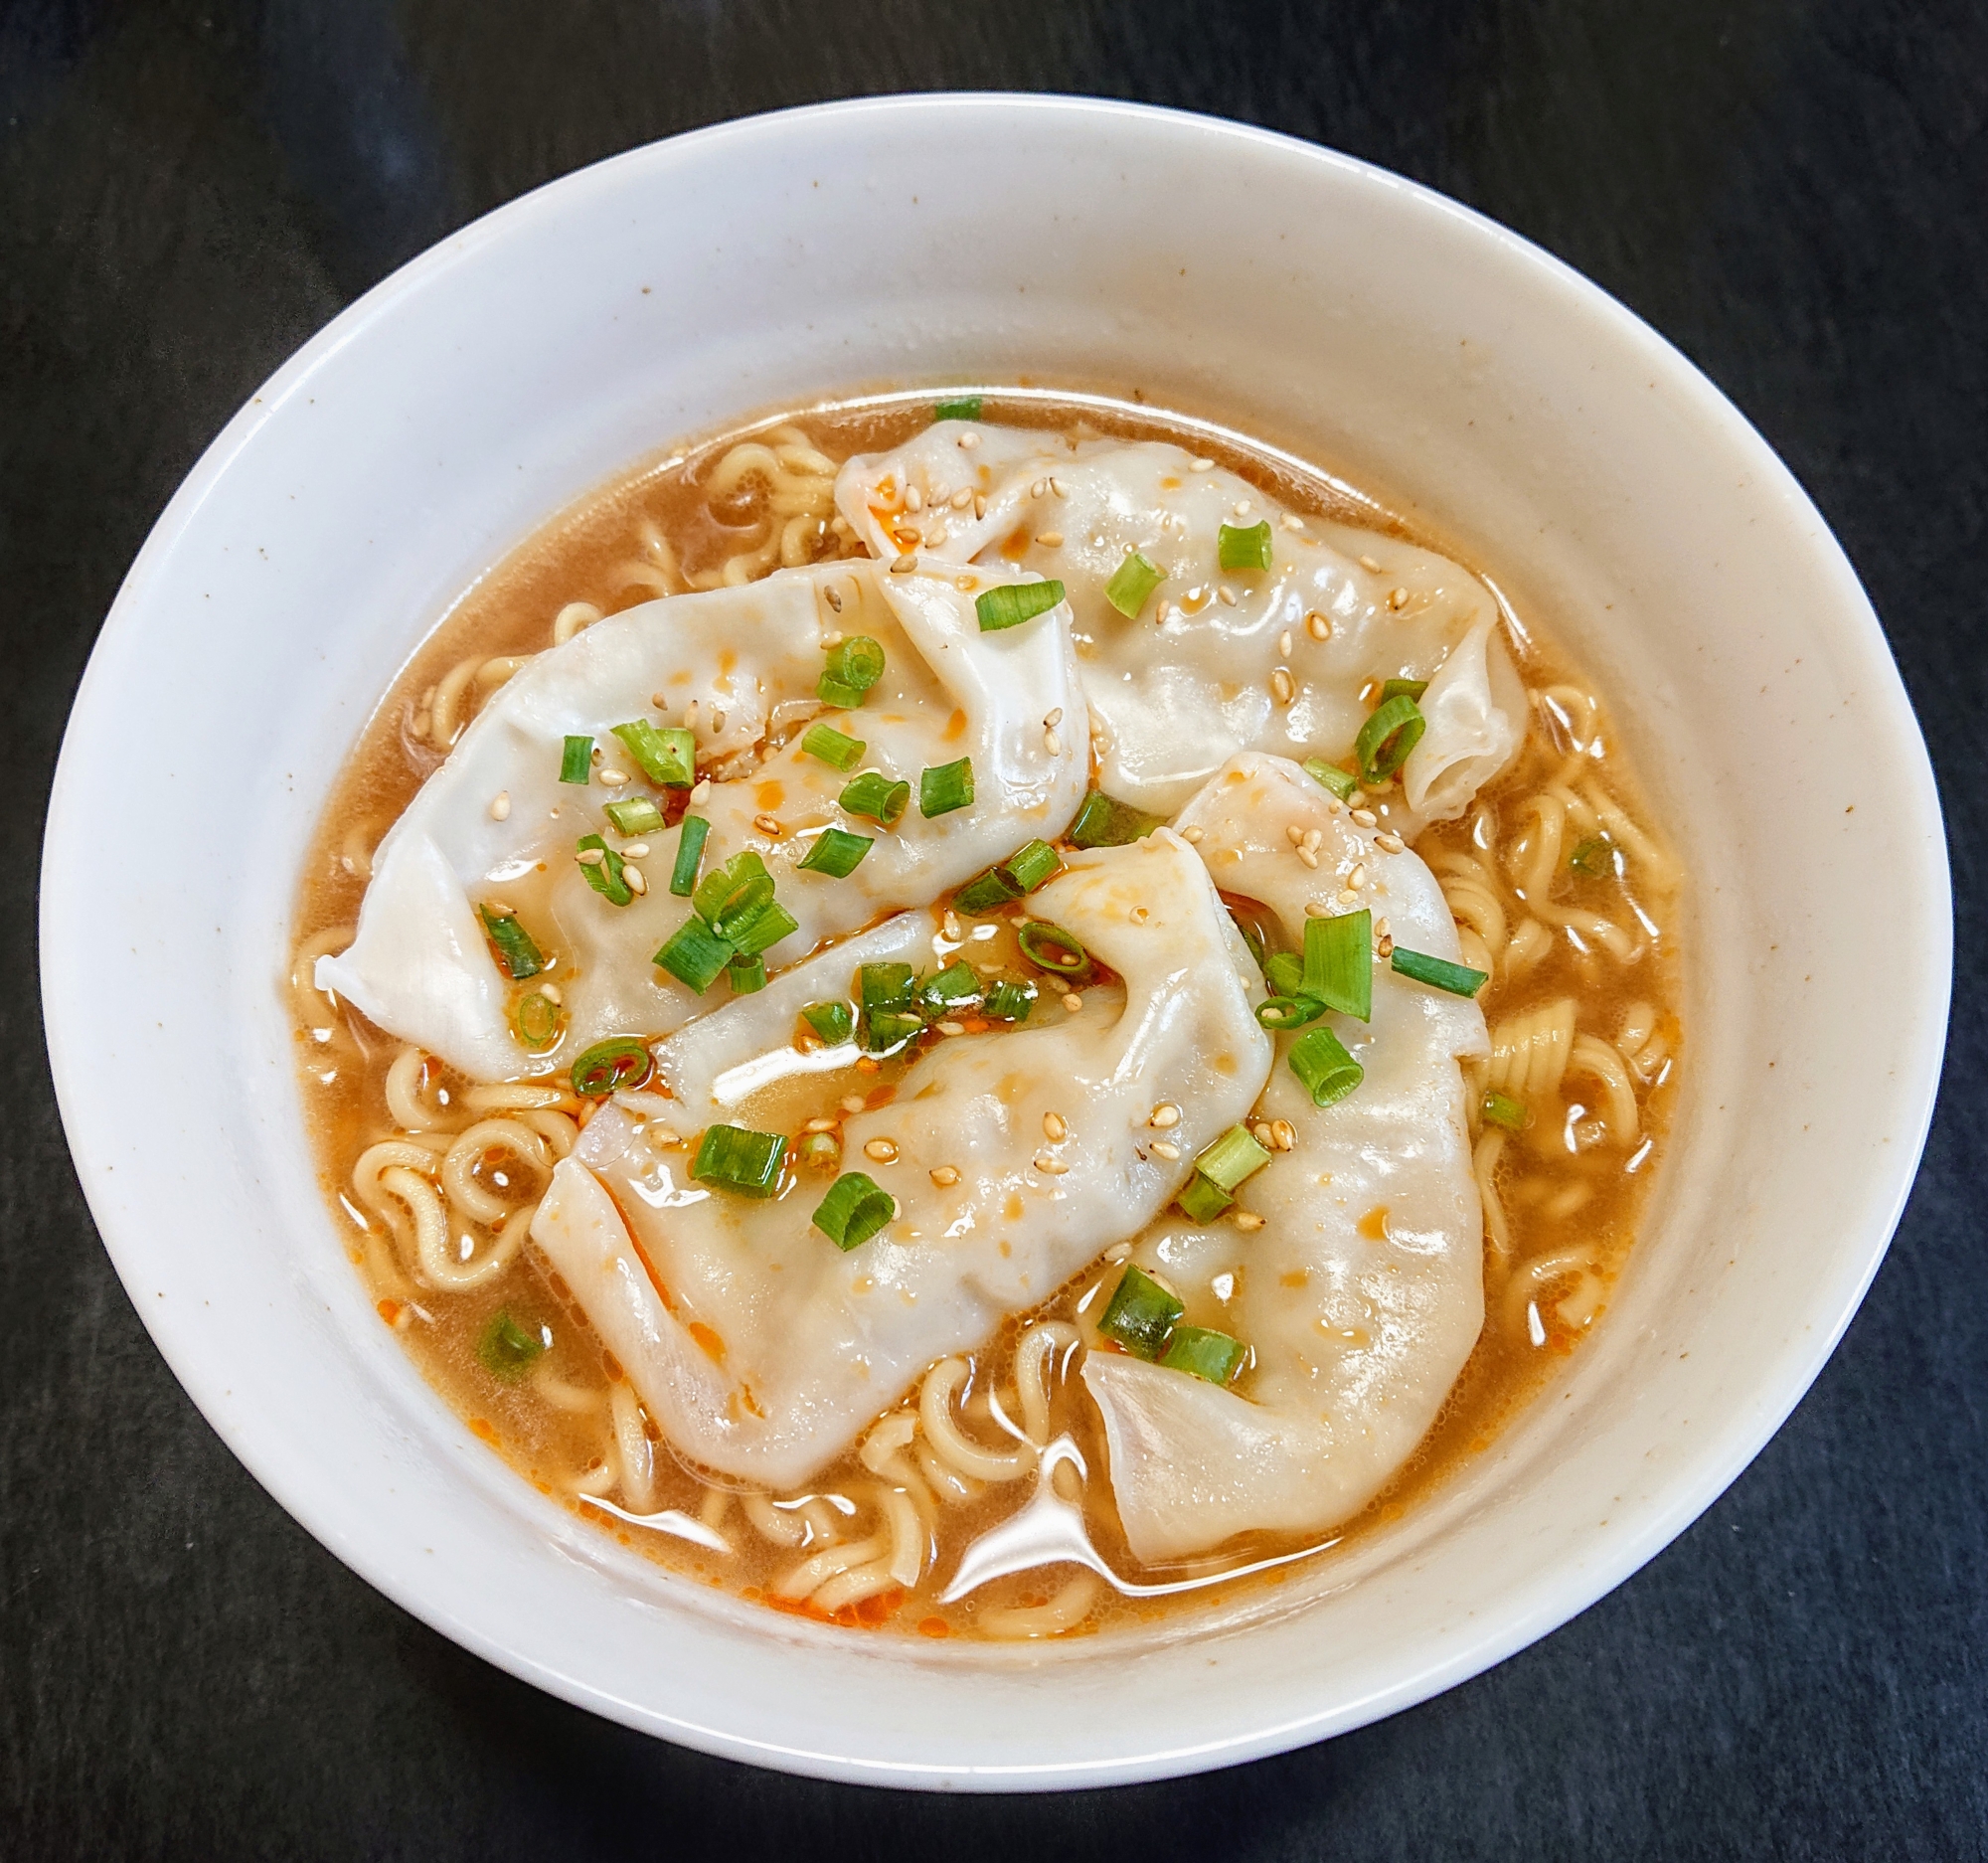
(1797, 195)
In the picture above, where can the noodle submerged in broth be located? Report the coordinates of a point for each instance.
(981, 976)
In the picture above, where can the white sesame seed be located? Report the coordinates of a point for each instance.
(1370, 566)
(1054, 1128)
(1057, 486)
(633, 876)
(1293, 523)
(1051, 720)
(1283, 1134)
(635, 850)
(950, 926)
(1249, 1221)
(1294, 834)
(1389, 843)
(979, 504)
(614, 779)
(550, 992)
(834, 598)
(1284, 644)
(831, 639)
(1313, 910)
(1260, 1131)
(1318, 627)
(1312, 838)
(1347, 896)
(1308, 857)
(1241, 507)
(1166, 1113)
(659, 702)
(820, 1125)
(969, 440)
(1051, 744)
(1202, 465)
(1161, 1149)
(904, 565)
(854, 1102)
(1366, 817)
(1382, 929)
(1282, 689)
(1072, 1002)
(1118, 1251)
(914, 501)
(1050, 540)
(690, 716)
(961, 498)
(1397, 599)
(881, 1149)
(950, 1028)
(1164, 612)
(766, 824)
(701, 790)
(500, 805)
(589, 857)
(1038, 488)
(1193, 835)
(1226, 596)
(1049, 1166)
(945, 1177)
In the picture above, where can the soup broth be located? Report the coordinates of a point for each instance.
(1562, 893)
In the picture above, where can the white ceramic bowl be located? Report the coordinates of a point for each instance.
(1286, 290)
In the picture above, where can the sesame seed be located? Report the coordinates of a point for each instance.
(1072, 1002)
(969, 440)
(550, 992)
(1166, 1113)
(635, 850)
(831, 639)
(1397, 599)
(1164, 612)
(938, 535)
(1283, 1134)
(945, 1177)
(614, 778)
(1282, 688)
(1054, 1129)
(501, 909)
(659, 702)
(1038, 488)
(1161, 1149)
(950, 926)
(690, 716)
(1389, 843)
(1347, 895)
(961, 498)
(1118, 1251)
(701, 790)
(1293, 523)
(966, 585)
(1202, 465)
(766, 824)
(1050, 540)
(1051, 744)
(1260, 1131)
(1249, 1221)
(1057, 486)
(1051, 720)
(854, 1102)
(1370, 566)
(1284, 644)
(1227, 597)
(1294, 834)
(980, 504)
(881, 1150)
(1313, 910)
(1192, 836)
(1241, 507)
(820, 1125)
(950, 1028)
(1387, 947)
(1318, 627)
(834, 598)
(1313, 836)
(500, 805)
(1382, 929)
(914, 501)
(1310, 859)
(633, 876)
(589, 857)
(904, 565)
(1366, 817)
(1049, 1166)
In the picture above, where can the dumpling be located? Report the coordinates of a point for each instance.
(1362, 1295)
(760, 1348)
(1199, 674)
(747, 660)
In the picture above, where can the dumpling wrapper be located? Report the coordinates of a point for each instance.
(772, 1349)
(419, 966)
(1178, 698)
(1359, 1321)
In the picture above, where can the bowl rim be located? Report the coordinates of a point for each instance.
(1740, 1437)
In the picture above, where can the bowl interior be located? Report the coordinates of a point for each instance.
(1551, 437)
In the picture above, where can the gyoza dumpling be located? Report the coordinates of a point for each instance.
(1195, 677)
(760, 1348)
(1363, 1292)
(749, 660)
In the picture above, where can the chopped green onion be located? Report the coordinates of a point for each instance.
(734, 1159)
(886, 986)
(852, 668)
(952, 989)
(1283, 972)
(1233, 1158)
(616, 1066)
(758, 927)
(837, 853)
(1141, 1314)
(1011, 605)
(725, 887)
(605, 875)
(537, 1020)
(1104, 821)
(695, 954)
(833, 1022)
(1050, 948)
(966, 407)
(877, 796)
(743, 906)
(1503, 1110)
(1031, 865)
(690, 850)
(1458, 979)
(505, 1349)
(884, 1031)
(854, 1210)
(819, 1151)
(1328, 1072)
(516, 952)
(576, 761)
(1201, 1201)
(668, 757)
(1402, 689)
(945, 787)
(836, 748)
(1392, 730)
(1594, 856)
(1009, 1001)
(1243, 548)
(746, 975)
(1001, 885)
(1338, 963)
(1341, 783)
(1282, 1013)
(638, 815)
(1132, 583)
(1205, 1354)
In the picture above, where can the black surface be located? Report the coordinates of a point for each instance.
(1794, 194)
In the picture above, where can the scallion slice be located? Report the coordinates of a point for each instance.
(1503, 1110)
(537, 1020)
(965, 408)
(693, 955)
(1392, 731)
(690, 851)
(1402, 689)
(1341, 783)
(1202, 1353)
(837, 853)
(952, 989)
(638, 815)
(505, 1349)
(884, 1031)
(516, 952)
(576, 761)
(1338, 963)
(1104, 821)
(743, 906)
(1283, 972)
(1132, 582)
(945, 787)
(1232, 1159)
(1141, 1314)
(835, 1023)
(886, 986)
(835, 747)
(877, 796)
(853, 666)
(758, 927)
(736, 1159)
(854, 1210)
(1321, 1062)
(1014, 604)
(1594, 856)
(1009, 1001)
(605, 875)
(725, 887)
(1050, 948)
(1439, 972)
(1201, 1201)
(1029, 867)
(667, 757)
(746, 975)
(1282, 1014)
(1243, 547)
(618, 1066)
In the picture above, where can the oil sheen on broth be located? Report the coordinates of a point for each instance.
(953, 1504)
